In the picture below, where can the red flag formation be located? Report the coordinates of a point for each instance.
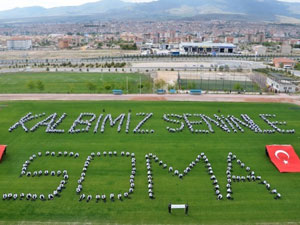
(2, 151)
(284, 158)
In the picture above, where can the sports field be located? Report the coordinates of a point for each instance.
(74, 82)
(220, 85)
(252, 202)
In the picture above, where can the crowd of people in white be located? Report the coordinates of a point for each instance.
(24, 172)
(227, 123)
(149, 157)
(102, 197)
(231, 158)
(251, 177)
(137, 129)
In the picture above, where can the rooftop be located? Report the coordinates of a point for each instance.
(19, 39)
(283, 60)
(208, 45)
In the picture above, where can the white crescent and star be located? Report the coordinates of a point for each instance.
(282, 152)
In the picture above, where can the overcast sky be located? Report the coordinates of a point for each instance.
(10, 4)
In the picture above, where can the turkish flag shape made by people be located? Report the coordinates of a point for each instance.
(284, 158)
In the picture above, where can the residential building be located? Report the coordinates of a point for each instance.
(284, 63)
(19, 43)
(286, 49)
(259, 50)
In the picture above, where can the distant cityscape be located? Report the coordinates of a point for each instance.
(153, 37)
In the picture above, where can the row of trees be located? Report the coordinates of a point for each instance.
(70, 65)
(158, 84)
(161, 84)
(268, 70)
(131, 87)
(35, 85)
(128, 46)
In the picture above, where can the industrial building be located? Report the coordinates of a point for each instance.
(19, 44)
(207, 47)
(259, 50)
(280, 84)
(187, 48)
(286, 49)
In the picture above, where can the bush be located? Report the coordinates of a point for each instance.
(107, 87)
(91, 86)
(40, 85)
(30, 85)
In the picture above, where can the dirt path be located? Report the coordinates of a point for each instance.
(281, 98)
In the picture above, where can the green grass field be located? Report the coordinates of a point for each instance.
(220, 85)
(252, 202)
(74, 82)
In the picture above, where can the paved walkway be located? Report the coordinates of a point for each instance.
(281, 98)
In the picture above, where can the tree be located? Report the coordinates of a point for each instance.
(91, 86)
(40, 85)
(226, 68)
(71, 88)
(192, 85)
(159, 84)
(281, 65)
(240, 69)
(237, 87)
(99, 45)
(30, 85)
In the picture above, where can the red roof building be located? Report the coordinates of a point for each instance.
(284, 63)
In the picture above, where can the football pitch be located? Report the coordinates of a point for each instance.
(64, 82)
(252, 202)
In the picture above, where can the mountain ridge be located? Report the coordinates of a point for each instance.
(116, 9)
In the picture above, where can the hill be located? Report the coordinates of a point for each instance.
(270, 10)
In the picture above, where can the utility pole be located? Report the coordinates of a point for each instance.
(127, 84)
(140, 84)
